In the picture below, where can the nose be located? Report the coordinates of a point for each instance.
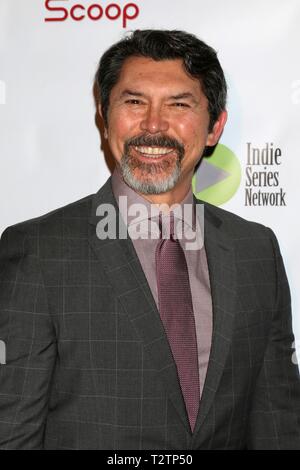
(154, 121)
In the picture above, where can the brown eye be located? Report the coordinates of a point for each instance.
(133, 101)
(181, 105)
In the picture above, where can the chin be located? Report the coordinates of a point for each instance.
(151, 185)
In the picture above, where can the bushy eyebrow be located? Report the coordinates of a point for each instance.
(131, 93)
(183, 96)
(180, 96)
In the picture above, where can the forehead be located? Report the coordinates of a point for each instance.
(164, 74)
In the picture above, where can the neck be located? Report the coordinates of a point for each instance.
(175, 196)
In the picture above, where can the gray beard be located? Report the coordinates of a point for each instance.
(162, 185)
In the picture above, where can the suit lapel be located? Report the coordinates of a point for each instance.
(222, 272)
(126, 276)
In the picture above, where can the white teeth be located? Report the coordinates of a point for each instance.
(153, 151)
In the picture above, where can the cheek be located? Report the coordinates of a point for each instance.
(120, 126)
(116, 133)
(195, 141)
(193, 136)
(192, 129)
(116, 126)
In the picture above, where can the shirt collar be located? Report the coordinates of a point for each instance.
(185, 210)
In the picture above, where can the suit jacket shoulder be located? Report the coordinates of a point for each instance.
(233, 224)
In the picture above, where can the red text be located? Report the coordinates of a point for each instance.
(94, 12)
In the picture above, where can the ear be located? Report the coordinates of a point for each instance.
(217, 130)
(101, 115)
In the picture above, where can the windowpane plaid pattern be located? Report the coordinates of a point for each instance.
(88, 362)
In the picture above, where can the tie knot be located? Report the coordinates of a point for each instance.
(166, 226)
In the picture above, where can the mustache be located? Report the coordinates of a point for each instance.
(154, 141)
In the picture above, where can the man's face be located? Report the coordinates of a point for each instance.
(158, 124)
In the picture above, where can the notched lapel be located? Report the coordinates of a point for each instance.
(126, 276)
(222, 273)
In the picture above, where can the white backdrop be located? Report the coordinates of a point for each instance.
(50, 147)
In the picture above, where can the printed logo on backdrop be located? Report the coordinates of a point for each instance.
(218, 177)
(63, 10)
(262, 186)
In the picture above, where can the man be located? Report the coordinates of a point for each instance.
(138, 342)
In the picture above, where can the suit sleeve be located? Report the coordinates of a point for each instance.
(275, 414)
(28, 345)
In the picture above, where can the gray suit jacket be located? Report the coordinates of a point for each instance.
(88, 363)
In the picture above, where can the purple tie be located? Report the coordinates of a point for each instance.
(176, 311)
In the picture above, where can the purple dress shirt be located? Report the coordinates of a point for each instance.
(145, 247)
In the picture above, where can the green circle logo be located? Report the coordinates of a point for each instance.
(218, 177)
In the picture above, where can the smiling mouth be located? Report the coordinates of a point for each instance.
(153, 152)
